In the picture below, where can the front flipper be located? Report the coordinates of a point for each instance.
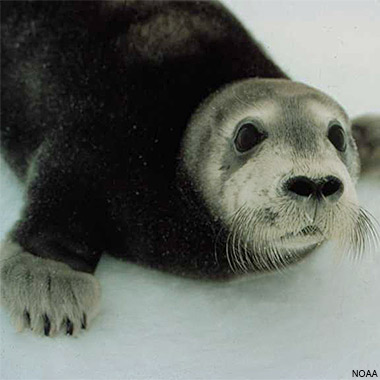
(45, 295)
(366, 131)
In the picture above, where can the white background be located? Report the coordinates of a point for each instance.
(320, 319)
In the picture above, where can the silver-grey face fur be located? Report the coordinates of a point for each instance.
(45, 294)
(246, 191)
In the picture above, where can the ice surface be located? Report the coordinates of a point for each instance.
(319, 319)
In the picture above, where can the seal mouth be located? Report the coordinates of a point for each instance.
(305, 232)
(302, 240)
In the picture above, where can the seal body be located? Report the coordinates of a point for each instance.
(96, 98)
(159, 132)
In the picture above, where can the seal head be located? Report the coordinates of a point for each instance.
(276, 163)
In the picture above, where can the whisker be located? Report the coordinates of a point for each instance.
(251, 242)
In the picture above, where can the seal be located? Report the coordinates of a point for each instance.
(162, 133)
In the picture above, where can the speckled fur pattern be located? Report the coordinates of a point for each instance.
(95, 132)
(119, 119)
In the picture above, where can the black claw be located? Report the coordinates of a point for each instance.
(84, 321)
(49, 283)
(47, 325)
(69, 327)
(27, 317)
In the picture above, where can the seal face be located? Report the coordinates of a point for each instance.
(276, 162)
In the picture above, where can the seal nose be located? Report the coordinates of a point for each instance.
(327, 187)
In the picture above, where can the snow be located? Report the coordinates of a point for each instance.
(318, 319)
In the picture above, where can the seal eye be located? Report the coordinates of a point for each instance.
(337, 137)
(247, 137)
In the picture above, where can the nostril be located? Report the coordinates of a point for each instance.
(302, 186)
(331, 186)
(326, 187)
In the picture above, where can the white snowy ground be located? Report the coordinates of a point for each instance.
(321, 319)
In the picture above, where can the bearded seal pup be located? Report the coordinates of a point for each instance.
(162, 133)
